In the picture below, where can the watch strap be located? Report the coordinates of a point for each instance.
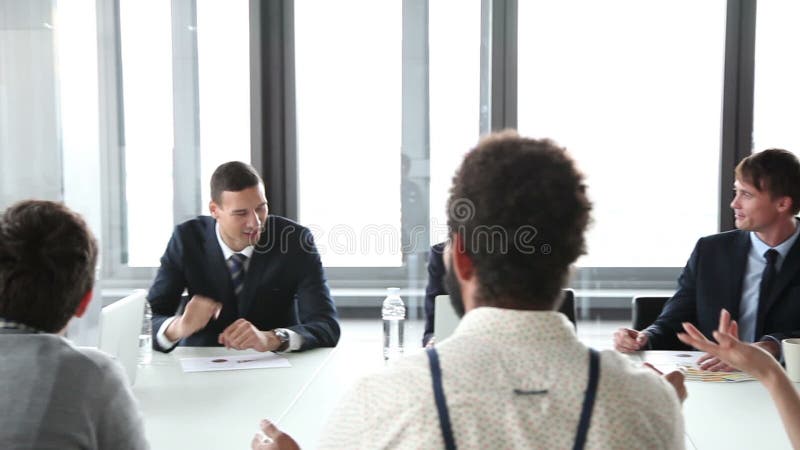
(283, 336)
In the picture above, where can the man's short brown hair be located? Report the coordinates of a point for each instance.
(232, 176)
(47, 264)
(775, 171)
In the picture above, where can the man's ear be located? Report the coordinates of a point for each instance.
(213, 209)
(462, 264)
(784, 203)
(84, 304)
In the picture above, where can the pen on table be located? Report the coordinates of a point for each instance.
(653, 367)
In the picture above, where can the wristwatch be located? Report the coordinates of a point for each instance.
(283, 336)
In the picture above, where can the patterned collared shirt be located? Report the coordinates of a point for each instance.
(6, 324)
(492, 360)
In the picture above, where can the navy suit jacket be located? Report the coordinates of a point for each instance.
(435, 287)
(712, 280)
(284, 286)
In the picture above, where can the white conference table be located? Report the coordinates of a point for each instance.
(729, 416)
(221, 410)
(213, 410)
(732, 416)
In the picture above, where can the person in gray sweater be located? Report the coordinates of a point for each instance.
(54, 395)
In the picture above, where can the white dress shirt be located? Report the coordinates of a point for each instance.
(491, 353)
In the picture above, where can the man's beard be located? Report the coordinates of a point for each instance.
(454, 289)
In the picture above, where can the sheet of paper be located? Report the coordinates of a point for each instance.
(234, 362)
(686, 362)
(669, 360)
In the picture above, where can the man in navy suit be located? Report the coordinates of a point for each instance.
(435, 287)
(753, 272)
(254, 281)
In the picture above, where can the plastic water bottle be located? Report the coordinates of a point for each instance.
(394, 315)
(146, 337)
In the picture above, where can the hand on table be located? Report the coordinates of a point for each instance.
(675, 378)
(729, 350)
(627, 340)
(243, 335)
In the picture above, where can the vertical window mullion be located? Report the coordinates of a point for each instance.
(498, 65)
(415, 142)
(185, 106)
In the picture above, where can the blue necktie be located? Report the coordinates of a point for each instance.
(236, 266)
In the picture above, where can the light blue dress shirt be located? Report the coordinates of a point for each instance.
(748, 308)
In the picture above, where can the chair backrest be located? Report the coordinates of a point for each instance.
(445, 319)
(646, 310)
(568, 306)
(120, 326)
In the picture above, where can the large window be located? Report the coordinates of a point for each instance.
(223, 68)
(76, 47)
(146, 34)
(367, 155)
(455, 69)
(776, 112)
(186, 98)
(634, 90)
(348, 69)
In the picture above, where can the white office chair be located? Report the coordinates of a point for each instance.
(445, 319)
(120, 325)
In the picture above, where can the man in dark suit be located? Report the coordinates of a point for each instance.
(435, 287)
(254, 281)
(753, 272)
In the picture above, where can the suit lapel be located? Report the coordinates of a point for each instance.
(741, 247)
(257, 268)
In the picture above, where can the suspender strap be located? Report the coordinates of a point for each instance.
(588, 400)
(441, 405)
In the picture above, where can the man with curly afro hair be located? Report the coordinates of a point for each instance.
(513, 374)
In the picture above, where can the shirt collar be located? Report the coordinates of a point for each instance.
(6, 324)
(226, 251)
(517, 323)
(783, 248)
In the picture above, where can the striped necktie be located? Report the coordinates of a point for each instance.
(236, 266)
